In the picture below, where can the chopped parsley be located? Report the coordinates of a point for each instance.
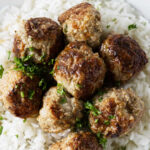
(96, 120)
(79, 86)
(1, 71)
(22, 94)
(132, 26)
(63, 100)
(107, 122)
(108, 26)
(101, 139)
(58, 67)
(1, 129)
(51, 62)
(42, 57)
(31, 49)
(31, 94)
(17, 136)
(101, 93)
(100, 99)
(24, 120)
(43, 84)
(111, 117)
(9, 54)
(78, 124)
(114, 20)
(65, 29)
(60, 89)
(1, 118)
(16, 86)
(91, 107)
(52, 72)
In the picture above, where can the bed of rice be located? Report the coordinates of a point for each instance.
(26, 135)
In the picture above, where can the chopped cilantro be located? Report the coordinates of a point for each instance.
(100, 99)
(101, 139)
(132, 26)
(31, 49)
(58, 67)
(91, 107)
(1, 129)
(24, 120)
(96, 120)
(108, 26)
(78, 124)
(43, 84)
(79, 86)
(63, 100)
(1, 71)
(9, 54)
(22, 94)
(51, 62)
(31, 94)
(1, 118)
(60, 89)
(17, 136)
(52, 72)
(107, 122)
(111, 117)
(42, 57)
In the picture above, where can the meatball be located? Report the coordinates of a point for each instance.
(123, 56)
(82, 23)
(77, 141)
(79, 70)
(120, 111)
(39, 37)
(59, 112)
(21, 94)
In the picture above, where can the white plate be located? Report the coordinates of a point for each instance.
(142, 5)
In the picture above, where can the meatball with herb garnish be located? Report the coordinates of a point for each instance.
(59, 111)
(40, 38)
(115, 112)
(21, 94)
(82, 23)
(123, 56)
(79, 70)
(77, 141)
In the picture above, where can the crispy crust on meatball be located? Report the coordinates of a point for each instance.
(82, 23)
(77, 141)
(21, 94)
(123, 56)
(40, 37)
(79, 70)
(121, 111)
(56, 116)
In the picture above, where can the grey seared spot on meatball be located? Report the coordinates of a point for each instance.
(40, 37)
(82, 23)
(123, 56)
(79, 70)
(21, 94)
(120, 110)
(77, 141)
(59, 112)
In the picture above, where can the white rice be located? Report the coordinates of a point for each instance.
(19, 135)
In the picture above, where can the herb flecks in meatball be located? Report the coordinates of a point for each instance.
(39, 37)
(77, 141)
(120, 111)
(21, 94)
(59, 112)
(79, 70)
(82, 23)
(123, 56)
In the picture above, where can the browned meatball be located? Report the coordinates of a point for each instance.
(120, 111)
(40, 37)
(123, 56)
(79, 70)
(21, 94)
(82, 23)
(59, 112)
(77, 141)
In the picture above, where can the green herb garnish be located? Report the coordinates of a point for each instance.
(22, 94)
(114, 20)
(52, 72)
(1, 71)
(111, 117)
(96, 120)
(63, 100)
(60, 89)
(51, 62)
(24, 120)
(31, 94)
(101, 139)
(78, 124)
(107, 122)
(43, 84)
(79, 86)
(123, 148)
(58, 67)
(108, 26)
(31, 49)
(9, 54)
(100, 99)
(132, 26)
(1, 129)
(65, 29)
(17, 136)
(91, 107)
(1, 118)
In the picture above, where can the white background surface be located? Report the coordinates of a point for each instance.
(142, 5)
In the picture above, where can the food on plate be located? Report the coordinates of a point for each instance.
(123, 56)
(121, 110)
(59, 111)
(21, 94)
(82, 23)
(77, 141)
(79, 70)
(39, 37)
